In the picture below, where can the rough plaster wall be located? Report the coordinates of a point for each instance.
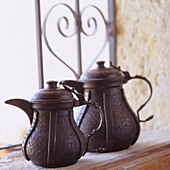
(143, 47)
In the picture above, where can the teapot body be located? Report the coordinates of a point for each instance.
(54, 140)
(120, 127)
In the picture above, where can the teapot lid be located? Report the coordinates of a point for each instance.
(102, 73)
(52, 94)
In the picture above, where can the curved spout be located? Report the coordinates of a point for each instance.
(24, 105)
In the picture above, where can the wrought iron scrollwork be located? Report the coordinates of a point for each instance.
(60, 31)
(91, 23)
(95, 28)
(92, 19)
(67, 22)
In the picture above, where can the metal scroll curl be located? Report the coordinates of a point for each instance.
(92, 19)
(91, 23)
(44, 31)
(95, 28)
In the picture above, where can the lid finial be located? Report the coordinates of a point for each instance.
(100, 64)
(52, 84)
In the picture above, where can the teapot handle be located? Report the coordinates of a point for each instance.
(127, 78)
(82, 101)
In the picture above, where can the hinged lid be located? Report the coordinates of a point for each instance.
(52, 94)
(102, 73)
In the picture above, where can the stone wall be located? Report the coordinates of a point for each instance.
(143, 47)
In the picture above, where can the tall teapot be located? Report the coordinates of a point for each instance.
(120, 127)
(53, 140)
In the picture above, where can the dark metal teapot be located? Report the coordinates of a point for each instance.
(120, 127)
(54, 139)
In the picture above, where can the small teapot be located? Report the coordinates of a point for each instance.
(53, 140)
(120, 127)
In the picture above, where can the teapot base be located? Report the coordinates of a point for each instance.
(54, 165)
(104, 150)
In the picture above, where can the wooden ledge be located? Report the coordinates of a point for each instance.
(153, 157)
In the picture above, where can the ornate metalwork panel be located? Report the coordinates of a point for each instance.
(84, 23)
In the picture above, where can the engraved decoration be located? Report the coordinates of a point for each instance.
(126, 125)
(70, 138)
(37, 149)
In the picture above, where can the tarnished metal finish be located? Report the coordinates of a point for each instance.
(54, 139)
(48, 146)
(120, 127)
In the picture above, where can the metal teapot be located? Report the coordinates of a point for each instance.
(54, 139)
(120, 127)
